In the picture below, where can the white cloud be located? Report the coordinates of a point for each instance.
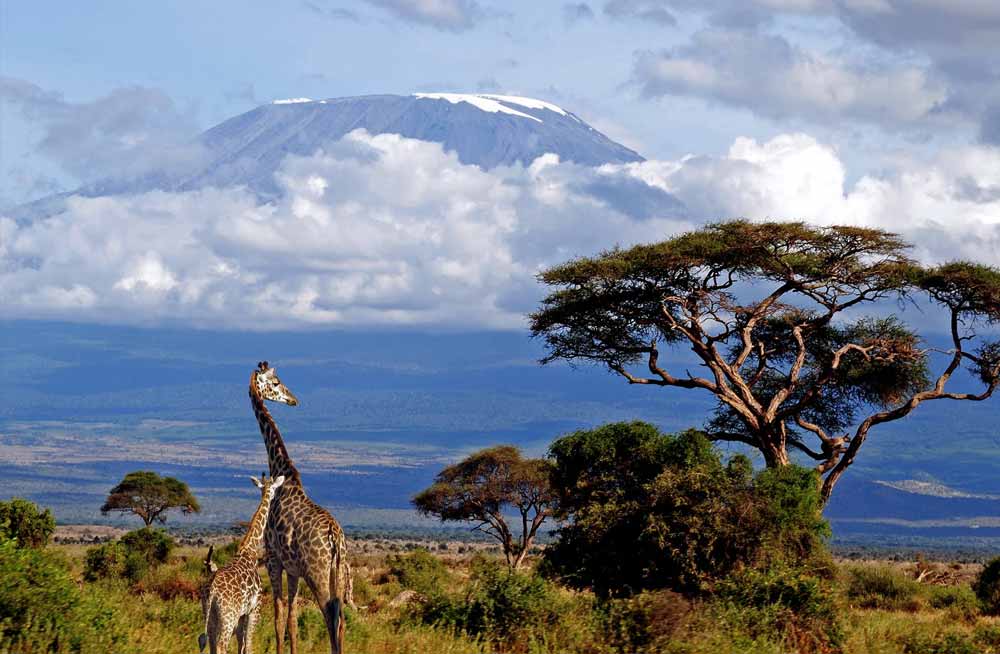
(451, 15)
(377, 230)
(774, 78)
(384, 230)
(948, 206)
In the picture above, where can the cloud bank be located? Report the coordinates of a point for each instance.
(387, 231)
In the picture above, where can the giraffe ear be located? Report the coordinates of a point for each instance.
(278, 481)
(256, 482)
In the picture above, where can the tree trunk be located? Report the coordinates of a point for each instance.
(772, 446)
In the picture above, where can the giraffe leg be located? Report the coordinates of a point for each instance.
(331, 603)
(277, 593)
(241, 635)
(245, 630)
(293, 623)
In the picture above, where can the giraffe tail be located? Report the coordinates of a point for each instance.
(337, 588)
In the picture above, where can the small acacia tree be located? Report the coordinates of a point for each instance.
(150, 496)
(484, 485)
(770, 311)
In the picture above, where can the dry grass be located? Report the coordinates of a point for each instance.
(163, 617)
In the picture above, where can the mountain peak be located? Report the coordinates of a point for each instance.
(485, 130)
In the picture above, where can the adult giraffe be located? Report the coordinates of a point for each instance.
(302, 539)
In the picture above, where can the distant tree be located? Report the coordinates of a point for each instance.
(483, 486)
(22, 520)
(772, 313)
(150, 496)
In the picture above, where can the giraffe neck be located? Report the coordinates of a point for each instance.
(254, 538)
(277, 456)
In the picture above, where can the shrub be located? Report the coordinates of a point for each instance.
(104, 561)
(41, 609)
(129, 558)
(152, 545)
(643, 510)
(419, 570)
(952, 642)
(960, 601)
(22, 520)
(987, 587)
(505, 607)
(882, 587)
(644, 622)
(785, 602)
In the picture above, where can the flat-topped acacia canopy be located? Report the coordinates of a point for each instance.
(789, 367)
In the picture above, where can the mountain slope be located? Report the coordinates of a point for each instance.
(482, 130)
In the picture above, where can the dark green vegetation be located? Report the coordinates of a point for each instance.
(642, 510)
(21, 520)
(130, 557)
(485, 486)
(771, 313)
(150, 496)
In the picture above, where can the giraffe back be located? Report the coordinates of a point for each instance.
(302, 535)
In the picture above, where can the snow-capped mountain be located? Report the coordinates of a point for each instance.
(483, 130)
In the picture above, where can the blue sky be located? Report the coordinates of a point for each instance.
(876, 112)
(217, 59)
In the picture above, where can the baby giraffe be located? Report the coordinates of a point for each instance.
(232, 599)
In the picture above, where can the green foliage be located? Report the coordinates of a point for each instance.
(129, 558)
(501, 606)
(152, 545)
(486, 485)
(104, 561)
(419, 570)
(950, 642)
(882, 587)
(960, 601)
(784, 601)
(642, 510)
(150, 496)
(21, 519)
(987, 587)
(646, 622)
(41, 609)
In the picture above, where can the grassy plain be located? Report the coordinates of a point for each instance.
(882, 607)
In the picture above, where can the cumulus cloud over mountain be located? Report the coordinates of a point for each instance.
(386, 230)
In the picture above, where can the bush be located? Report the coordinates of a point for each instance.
(130, 558)
(645, 622)
(786, 602)
(152, 545)
(960, 601)
(642, 510)
(882, 587)
(508, 608)
(953, 642)
(105, 561)
(41, 609)
(419, 570)
(21, 519)
(987, 587)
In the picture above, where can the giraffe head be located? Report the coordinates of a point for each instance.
(268, 487)
(270, 387)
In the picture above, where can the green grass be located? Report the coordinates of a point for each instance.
(882, 611)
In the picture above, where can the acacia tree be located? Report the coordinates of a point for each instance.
(150, 496)
(770, 311)
(484, 485)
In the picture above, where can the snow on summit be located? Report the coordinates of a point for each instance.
(496, 103)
